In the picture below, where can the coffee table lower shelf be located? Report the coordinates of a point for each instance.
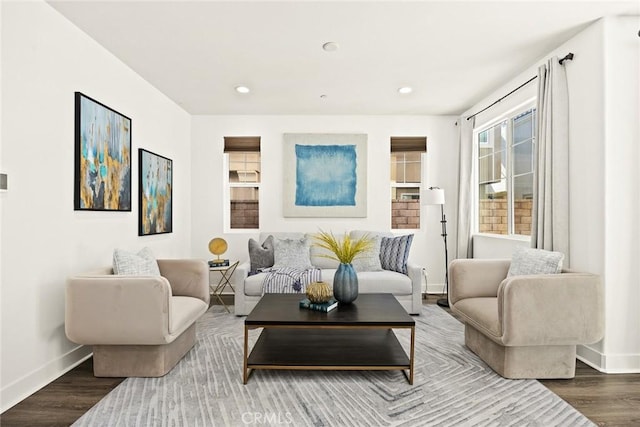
(327, 349)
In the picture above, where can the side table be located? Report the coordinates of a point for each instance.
(225, 276)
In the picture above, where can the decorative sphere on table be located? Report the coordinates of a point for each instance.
(218, 246)
(319, 292)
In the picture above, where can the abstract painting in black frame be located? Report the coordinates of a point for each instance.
(102, 180)
(155, 198)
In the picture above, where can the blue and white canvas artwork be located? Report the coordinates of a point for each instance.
(325, 175)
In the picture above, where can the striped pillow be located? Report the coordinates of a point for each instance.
(394, 253)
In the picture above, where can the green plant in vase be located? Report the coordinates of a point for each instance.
(344, 250)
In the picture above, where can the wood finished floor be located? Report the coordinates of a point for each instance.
(607, 400)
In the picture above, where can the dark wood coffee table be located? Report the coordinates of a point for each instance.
(358, 336)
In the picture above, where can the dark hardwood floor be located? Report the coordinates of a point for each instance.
(607, 400)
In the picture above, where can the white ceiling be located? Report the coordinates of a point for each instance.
(452, 53)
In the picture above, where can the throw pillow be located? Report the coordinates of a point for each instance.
(394, 253)
(369, 260)
(535, 261)
(319, 255)
(141, 264)
(261, 255)
(291, 253)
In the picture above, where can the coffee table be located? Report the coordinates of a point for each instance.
(357, 336)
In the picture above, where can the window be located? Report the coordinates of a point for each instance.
(242, 159)
(505, 175)
(406, 179)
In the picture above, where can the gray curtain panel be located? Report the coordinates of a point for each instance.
(550, 222)
(466, 166)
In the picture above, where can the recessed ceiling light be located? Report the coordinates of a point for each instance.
(404, 90)
(242, 89)
(330, 46)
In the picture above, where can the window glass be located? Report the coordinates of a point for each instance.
(244, 179)
(505, 175)
(406, 177)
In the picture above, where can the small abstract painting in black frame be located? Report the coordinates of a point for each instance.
(155, 199)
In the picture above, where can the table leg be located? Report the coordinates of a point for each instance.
(412, 353)
(245, 375)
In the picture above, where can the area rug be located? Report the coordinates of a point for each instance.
(452, 387)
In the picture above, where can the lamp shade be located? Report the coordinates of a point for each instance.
(432, 196)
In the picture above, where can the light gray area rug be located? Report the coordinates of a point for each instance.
(452, 387)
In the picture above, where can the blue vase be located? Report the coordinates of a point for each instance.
(345, 284)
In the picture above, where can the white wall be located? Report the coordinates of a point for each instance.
(492, 246)
(622, 193)
(2, 195)
(208, 133)
(604, 184)
(44, 60)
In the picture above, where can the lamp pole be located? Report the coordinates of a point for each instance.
(444, 302)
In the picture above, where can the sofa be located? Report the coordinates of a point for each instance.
(407, 288)
(526, 326)
(138, 325)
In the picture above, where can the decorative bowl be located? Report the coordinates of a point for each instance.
(319, 292)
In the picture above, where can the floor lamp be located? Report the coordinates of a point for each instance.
(435, 196)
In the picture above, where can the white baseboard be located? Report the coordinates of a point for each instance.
(24, 387)
(609, 363)
(435, 288)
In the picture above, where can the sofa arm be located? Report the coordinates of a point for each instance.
(240, 275)
(471, 278)
(113, 310)
(187, 277)
(548, 309)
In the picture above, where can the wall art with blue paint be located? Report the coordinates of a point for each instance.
(102, 157)
(325, 175)
(155, 201)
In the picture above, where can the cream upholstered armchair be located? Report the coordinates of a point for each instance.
(139, 326)
(526, 326)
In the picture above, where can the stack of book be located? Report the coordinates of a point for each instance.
(324, 306)
(219, 263)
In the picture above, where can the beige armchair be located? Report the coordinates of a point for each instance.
(139, 326)
(526, 326)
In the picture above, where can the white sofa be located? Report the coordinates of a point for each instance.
(407, 288)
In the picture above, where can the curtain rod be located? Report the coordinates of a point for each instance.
(567, 57)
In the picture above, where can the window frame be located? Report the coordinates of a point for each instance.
(419, 185)
(228, 185)
(508, 116)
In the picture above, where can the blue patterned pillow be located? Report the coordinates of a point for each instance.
(394, 253)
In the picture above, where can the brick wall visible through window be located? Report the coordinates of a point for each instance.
(505, 174)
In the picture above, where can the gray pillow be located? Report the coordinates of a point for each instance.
(369, 260)
(141, 264)
(535, 261)
(292, 253)
(261, 255)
